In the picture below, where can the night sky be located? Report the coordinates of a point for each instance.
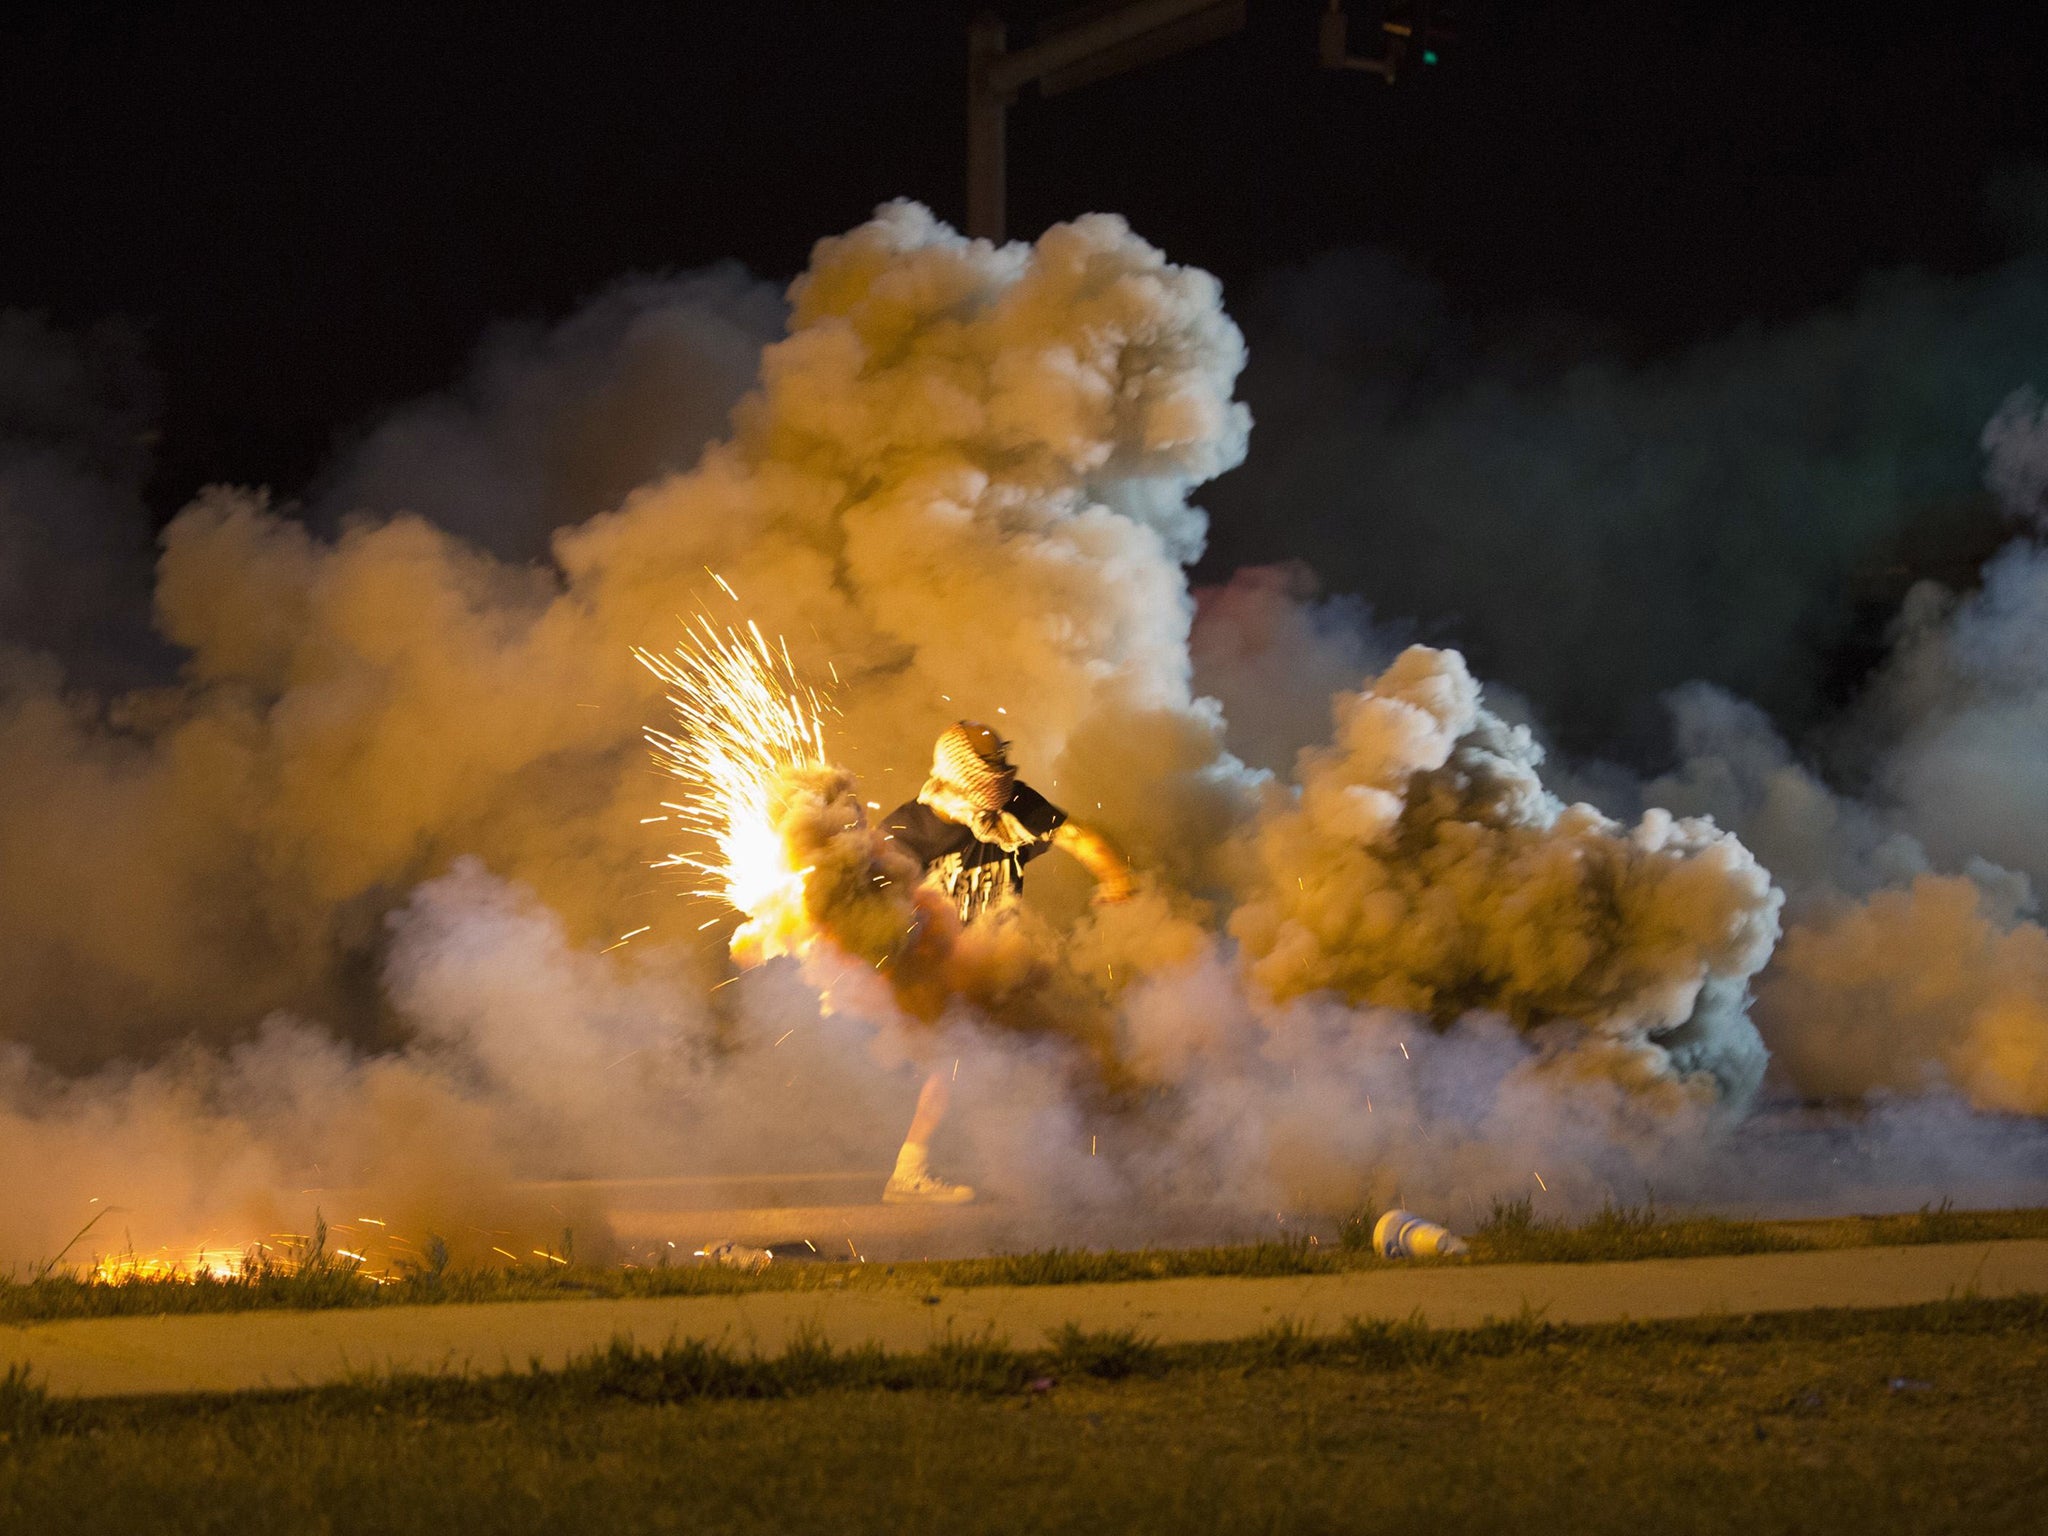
(312, 212)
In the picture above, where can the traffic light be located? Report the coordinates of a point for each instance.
(1417, 30)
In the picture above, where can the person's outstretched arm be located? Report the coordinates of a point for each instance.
(1113, 882)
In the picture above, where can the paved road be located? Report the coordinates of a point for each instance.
(840, 1211)
(112, 1356)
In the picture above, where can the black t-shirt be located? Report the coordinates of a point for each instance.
(977, 875)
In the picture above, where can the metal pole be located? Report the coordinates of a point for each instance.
(986, 108)
(1132, 21)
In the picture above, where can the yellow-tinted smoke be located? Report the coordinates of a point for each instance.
(398, 771)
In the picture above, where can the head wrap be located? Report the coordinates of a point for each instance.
(971, 782)
(975, 761)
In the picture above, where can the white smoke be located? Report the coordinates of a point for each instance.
(1595, 528)
(1425, 868)
(363, 902)
(552, 426)
(1913, 960)
(74, 534)
(2016, 444)
(1274, 655)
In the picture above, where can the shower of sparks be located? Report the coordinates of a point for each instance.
(744, 721)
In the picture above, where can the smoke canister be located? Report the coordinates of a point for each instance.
(734, 1255)
(1405, 1235)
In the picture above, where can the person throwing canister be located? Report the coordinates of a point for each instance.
(973, 828)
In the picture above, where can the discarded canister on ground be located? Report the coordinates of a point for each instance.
(736, 1256)
(1405, 1235)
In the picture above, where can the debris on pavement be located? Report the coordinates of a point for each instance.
(1402, 1234)
(734, 1255)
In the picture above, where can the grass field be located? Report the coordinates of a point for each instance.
(1922, 1419)
(1511, 1234)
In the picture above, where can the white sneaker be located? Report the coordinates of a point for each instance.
(923, 1189)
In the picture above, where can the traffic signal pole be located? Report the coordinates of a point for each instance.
(1106, 44)
(987, 131)
(1115, 37)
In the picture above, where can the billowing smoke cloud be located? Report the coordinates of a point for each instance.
(553, 426)
(363, 902)
(1913, 959)
(1594, 530)
(1960, 715)
(75, 417)
(1425, 868)
(960, 484)
(1274, 654)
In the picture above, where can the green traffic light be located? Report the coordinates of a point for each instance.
(1429, 55)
